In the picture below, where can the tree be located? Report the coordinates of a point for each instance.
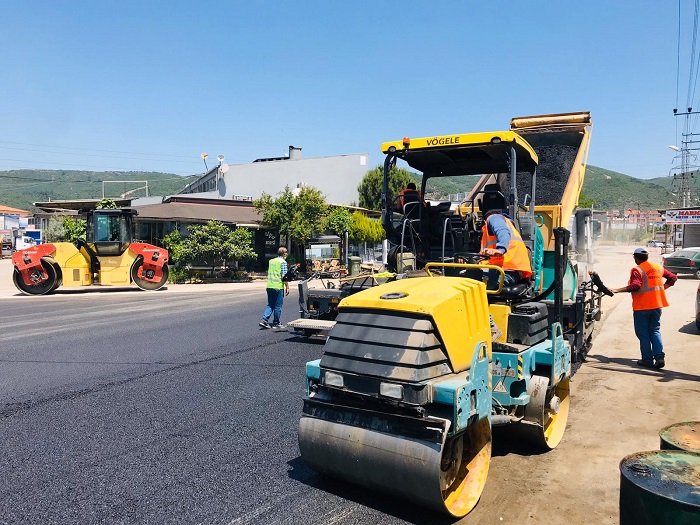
(338, 221)
(299, 216)
(213, 244)
(55, 232)
(106, 204)
(371, 186)
(584, 201)
(74, 228)
(365, 230)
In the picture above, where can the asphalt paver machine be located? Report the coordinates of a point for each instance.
(413, 376)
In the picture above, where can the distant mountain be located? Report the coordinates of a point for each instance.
(608, 190)
(612, 190)
(20, 188)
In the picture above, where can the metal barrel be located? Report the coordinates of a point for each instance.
(681, 436)
(660, 487)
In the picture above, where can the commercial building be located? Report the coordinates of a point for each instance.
(337, 177)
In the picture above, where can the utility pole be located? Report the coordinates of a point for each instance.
(682, 180)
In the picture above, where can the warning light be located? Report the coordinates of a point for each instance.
(406, 142)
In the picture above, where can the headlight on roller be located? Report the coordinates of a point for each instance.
(391, 390)
(333, 379)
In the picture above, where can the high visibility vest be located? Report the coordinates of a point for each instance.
(274, 273)
(516, 257)
(652, 294)
(408, 195)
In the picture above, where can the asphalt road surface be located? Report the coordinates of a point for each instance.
(164, 408)
(173, 407)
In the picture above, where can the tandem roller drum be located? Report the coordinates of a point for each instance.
(423, 465)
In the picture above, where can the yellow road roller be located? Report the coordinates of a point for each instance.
(108, 257)
(410, 384)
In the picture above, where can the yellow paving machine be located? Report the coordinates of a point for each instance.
(417, 371)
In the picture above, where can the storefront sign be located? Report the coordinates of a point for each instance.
(683, 216)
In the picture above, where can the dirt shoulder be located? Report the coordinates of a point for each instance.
(617, 409)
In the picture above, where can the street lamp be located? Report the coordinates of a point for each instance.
(674, 148)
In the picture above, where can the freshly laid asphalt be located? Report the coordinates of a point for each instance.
(124, 406)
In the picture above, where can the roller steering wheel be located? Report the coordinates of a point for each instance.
(470, 257)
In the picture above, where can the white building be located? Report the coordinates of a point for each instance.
(337, 177)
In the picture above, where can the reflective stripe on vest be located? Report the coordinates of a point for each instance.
(651, 295)
(516, 256)
(274, 274)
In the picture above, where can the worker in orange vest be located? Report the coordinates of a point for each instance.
(410, 194)
(647, 284)
(500, 239)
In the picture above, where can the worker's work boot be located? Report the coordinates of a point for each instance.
(645, 363)
(659, 362)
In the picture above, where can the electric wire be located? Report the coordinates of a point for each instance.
(678, 65)
(99, 150)
(96, 155)
(108, 168)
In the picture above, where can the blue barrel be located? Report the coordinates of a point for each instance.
(661, 487)
(681, 436)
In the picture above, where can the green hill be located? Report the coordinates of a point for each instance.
(608, 190)
(612, 190)
(20, 188)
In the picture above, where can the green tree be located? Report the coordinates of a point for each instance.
(371, 186)
(55, 232)
(213, 244)
(74, 228)
(106, 204)
(299, 216)
(584, 201)
(365, 230)
(338, 221)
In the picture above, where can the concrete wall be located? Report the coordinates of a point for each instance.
(336, 177)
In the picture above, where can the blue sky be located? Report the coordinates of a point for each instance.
(150, 85)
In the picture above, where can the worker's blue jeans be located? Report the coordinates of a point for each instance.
(274, 305)
(647, 327)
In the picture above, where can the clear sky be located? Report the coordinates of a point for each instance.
(150, 85)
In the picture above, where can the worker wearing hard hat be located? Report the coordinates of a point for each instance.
(500, 238)
(647, 284)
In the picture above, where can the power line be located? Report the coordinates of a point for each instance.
(90, 149)
(678, 63)
(111, 168)
(95, 155)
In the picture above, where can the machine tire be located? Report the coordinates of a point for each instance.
(697, 274)
(41, 288)
(143, 283)
(59, 272)
(544, 425)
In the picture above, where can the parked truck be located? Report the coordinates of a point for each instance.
(413, 375)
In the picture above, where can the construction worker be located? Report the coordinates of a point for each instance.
(500, 239)
(409, 195)
(277, 288)
(647, 284)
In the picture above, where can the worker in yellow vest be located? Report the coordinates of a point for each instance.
(277, 288)
(647, 284)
